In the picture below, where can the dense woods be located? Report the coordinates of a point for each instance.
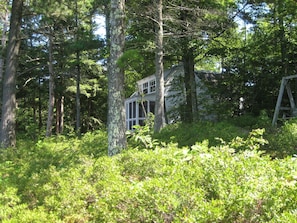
(61, 74)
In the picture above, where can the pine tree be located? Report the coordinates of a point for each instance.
(8, 116)
(116, 109)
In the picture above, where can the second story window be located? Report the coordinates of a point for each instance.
(152, 86)
(148, 86)
(145, 88)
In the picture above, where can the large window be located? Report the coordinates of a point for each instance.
(136, 112)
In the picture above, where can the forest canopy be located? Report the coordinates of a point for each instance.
(62, 70)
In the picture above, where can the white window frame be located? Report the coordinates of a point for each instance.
(147, 86)
(152, 85)
(135, 118)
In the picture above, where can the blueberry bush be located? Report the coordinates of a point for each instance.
(73, 180)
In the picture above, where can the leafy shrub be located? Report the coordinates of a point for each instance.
(94, 143)
(254, 141)
(249, 121)
(188, 134)
(71, 180)
(283, 140)
(141, 137)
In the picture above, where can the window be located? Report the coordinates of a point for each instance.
(136, 112)
(152, 86)
(134, 109)
(152, 107)
(141, 111)
(148, 87)
(145, 88)
(131, 114)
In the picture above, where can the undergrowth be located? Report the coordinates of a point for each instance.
(224, 177)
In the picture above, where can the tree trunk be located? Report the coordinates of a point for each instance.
(78, 127)
(190, 85)
(39, 105)
(60, 115)
(159, 109)
(191, 71)
(190, 109)
(51, 101)
(77, 98)
(8, 116)
(5, 22)
(116, 108)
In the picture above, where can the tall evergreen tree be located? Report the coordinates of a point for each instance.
(8, 116)
(74, 50)
(194, 25)
(160, 107)
(4, 21)
(51, 98)
(116, 109)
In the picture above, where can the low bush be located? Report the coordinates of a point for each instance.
(283, 140)
(71, 180)
(189, 134)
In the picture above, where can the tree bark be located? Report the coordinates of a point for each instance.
(190, 108)
(116, 108)
(190, 86)
(39, 105)
(159, 109)
(78, 124)
(51, 101)
(5, 22)
(78, 77)
(60, 115)
(8, 116)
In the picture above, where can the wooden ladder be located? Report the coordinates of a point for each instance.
(285, 84)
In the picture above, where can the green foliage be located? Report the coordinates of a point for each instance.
(27, 125)
(254, 141)
(142, 136)
(64, 179)
(249, 121)
(283, 140)
(189, 134)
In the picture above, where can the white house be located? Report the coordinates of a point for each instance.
(142, 101)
